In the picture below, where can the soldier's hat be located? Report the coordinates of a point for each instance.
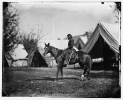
(69, 35)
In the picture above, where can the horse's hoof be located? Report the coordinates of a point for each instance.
(82, 77)
(56, 80)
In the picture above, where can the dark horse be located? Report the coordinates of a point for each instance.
(81, 57)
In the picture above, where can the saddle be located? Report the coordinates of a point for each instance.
(71, 54)
(67, 55)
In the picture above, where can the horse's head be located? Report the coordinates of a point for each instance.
(46, 49)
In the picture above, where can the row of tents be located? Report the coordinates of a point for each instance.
(103, 44)
(19, 57)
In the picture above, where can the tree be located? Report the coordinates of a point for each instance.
(10, 26)
(117, 6)
(10, 29)
(30, 41)
(88, 34)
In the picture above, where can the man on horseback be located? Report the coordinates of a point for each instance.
(67, 54)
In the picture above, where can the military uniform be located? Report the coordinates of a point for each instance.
(70, 44)
(68, 52)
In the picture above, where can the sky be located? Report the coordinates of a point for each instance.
(59, 19)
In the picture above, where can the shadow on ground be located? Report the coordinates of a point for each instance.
(52, 79)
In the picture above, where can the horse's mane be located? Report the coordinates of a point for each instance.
(56, 48)
(59, 51)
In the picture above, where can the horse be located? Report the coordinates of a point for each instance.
(81, 57)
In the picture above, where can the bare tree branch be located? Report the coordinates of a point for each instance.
(30, 41)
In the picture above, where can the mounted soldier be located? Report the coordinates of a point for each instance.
(68, 53)
(69, 56)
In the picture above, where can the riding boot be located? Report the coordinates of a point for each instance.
(65, 62)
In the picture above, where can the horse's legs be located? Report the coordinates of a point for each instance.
(89, 65)
(88, 74)
(87, 71)
(85, 68)
(83, 74)
(86, 63)
(62, 68)
(58, 69)
(61, 72)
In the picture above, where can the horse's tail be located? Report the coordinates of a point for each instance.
(89, 62)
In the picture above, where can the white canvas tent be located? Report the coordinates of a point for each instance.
(109, 33)
(81, 42)
(19, 52)
(84, 39)
(104, 42)
(17, 57)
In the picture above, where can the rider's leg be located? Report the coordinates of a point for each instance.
(68, 55)
(66, 60)
(65, 56)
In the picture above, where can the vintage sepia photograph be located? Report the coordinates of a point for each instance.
(61, 49)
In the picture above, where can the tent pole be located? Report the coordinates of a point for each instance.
(101, 51)
(53, 32)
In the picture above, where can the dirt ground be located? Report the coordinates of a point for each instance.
(40, 82)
